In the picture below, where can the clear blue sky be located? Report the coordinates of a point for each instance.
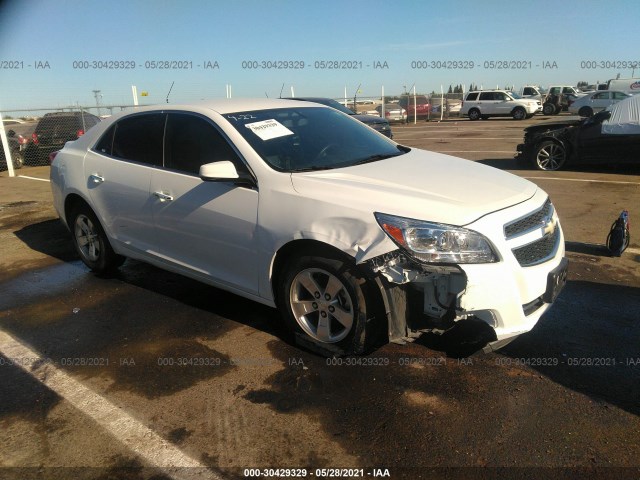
(62, 32)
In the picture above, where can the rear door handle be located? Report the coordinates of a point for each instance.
(163, 196)
(95, 178)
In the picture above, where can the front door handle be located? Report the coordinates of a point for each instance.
(95, 178)
(163, 196)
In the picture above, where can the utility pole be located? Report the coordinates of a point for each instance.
(97, 95)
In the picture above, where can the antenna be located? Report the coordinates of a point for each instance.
(281, 91)
(170, 88)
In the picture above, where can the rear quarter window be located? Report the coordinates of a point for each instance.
(472, 96)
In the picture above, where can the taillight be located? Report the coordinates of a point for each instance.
(387, 113)
(80, 133)
(21, 140)
(34, 138)
(52, 156)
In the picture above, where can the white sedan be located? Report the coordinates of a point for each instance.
(593, 102)
(298, 206)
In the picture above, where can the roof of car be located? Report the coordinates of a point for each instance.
(229, 105)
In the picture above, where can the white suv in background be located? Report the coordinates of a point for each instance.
(498, 103)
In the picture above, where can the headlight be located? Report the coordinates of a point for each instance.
(436, 242)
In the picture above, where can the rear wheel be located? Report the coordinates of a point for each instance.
(91, 242)
(329, 302)
(18, 160)
(550, 156)
(474, 114)
(519, 113)
(585, 112)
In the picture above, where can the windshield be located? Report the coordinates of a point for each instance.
(515, 95)
(315, 138)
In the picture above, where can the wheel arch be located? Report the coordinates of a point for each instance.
(70, 203)
(301, 247)
(562, 143)
(371, 285)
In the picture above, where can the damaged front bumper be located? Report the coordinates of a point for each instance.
(420, 298)
(509, 296)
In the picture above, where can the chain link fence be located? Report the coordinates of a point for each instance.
(432, 107)
(33, 135)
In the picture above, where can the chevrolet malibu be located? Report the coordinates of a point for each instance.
(353, 237)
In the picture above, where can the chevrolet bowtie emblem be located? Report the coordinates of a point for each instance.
(548, 225)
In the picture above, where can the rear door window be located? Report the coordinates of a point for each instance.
(139, 138)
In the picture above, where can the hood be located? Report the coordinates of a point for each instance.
(547, 127)
(421, 185)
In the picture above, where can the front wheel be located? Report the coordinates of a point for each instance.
(550, 156)
(328, 301)
(549, 109)
(91, 242)
(519, 113)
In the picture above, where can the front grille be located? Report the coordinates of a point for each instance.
(533, 221)
(539, 251)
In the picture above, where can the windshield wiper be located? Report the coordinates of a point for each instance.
(313, 168)
(375, 158)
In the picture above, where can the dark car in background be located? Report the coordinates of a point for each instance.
(16, 153)
(380, 125)
(611, 136)
(53, 131)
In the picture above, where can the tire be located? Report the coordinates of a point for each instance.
(474, 114)
(91, 242)
(550, 156)
(519, 113)
(549, 109)
(331, 304)
(585, 112)
(18, 160)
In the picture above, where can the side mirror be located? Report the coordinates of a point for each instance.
(219, 171)
(224, 171)
(11, 133)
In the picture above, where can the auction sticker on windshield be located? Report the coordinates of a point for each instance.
(269, 129)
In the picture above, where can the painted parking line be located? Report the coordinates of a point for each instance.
(583, 180)
(34, 178)
(155, 450)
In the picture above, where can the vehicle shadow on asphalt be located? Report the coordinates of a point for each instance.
(49, 237)
(588, 342)
(598, 250)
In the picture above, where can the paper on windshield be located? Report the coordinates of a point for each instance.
(269, 129)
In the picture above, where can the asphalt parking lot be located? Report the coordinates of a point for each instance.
(147, 374)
